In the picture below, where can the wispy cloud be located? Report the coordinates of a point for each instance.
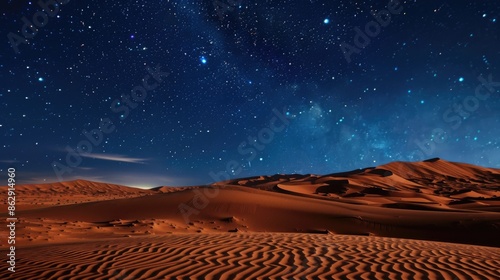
(115, 157)
(8, 161)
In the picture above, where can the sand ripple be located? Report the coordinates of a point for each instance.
(256, 256)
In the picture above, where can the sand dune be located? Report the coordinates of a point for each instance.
(258, 256)
(280, 226)
(258, 210)
(71, 192)
(434, 181)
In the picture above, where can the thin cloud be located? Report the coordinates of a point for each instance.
(8, 161)
(114, 157)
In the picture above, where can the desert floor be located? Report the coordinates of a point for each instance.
(256, 256)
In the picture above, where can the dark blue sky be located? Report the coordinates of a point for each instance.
(171, 91)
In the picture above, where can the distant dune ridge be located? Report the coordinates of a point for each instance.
(70, 192)
(369, 223)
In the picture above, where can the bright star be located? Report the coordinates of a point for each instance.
(40, 79)
(203, 60)
(326, 21)
(461, 79)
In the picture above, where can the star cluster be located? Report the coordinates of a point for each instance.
(246, 88)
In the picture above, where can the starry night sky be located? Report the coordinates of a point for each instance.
(236, 71)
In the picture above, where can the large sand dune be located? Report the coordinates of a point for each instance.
(282, 226)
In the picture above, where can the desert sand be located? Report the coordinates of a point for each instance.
(423, 220)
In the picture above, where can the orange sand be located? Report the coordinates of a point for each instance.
(373, 223)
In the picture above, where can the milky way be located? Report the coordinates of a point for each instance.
(150, 93)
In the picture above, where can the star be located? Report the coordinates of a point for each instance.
(268, 75)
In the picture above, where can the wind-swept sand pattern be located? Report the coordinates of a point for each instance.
(374, 223)
(258, 256)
